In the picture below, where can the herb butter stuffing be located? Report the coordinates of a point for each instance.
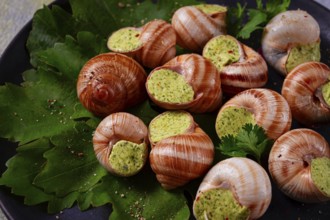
(320, 172)
(169, 124)
(302, 54)
(128, 158)
(211, 8)
(231, 120)
(124, 40)
(219, 204)
(222, 51)
(326, 92)
(168, 86)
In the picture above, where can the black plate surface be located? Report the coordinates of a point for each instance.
(16, 59)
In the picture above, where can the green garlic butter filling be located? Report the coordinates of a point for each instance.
(219, 204)
(168, 86)
(124, 40)
(169, 124)
(320, 172)
(222, 51)
(302, 54)
(211, 8)
(232, 119)
(326, 93)
(127, 158)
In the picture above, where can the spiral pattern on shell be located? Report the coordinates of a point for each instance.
(111, 82)
(284, 31)
(290, 163)
(194, 27)
(247, 180)
(270, 110)
(250, 72)
(159, 40)
(204, 78)
(116, 127)
(301, 88)
(179, 159)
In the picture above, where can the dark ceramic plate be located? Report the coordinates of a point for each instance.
(16, 59)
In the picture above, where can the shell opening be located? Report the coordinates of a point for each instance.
(303, 53)
(127, 158)
(169, 124)
(219, 204)
(320, 172)
(231, 119)
(169, 86)
(326, 93)
(211, 8)
(222, 51)
(125, 40)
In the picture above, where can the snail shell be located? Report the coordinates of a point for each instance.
(114, 128)
(270, 110)
(290, 163)
(246, 179)
(111, 82)
(204, 78)
(178, 159)
(195, 27)
(157, 43)
(250, 72)
(286, 30)
(301, 88)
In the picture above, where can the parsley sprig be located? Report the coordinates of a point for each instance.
(250, 140)
(244, 21)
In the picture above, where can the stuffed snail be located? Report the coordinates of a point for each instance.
(285, 42)
(187, 82)
(180, 150)
(264, 107)
(120, 143)
(299, 163)
(151, 45)
(195, 25)
(240, 66)
(307, 90)
(234, 188)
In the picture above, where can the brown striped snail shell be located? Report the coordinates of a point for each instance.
(158, 41)
(250, 72)
(270, 110)
(290, 162)
(246, 179)
(117, 127)
(111, 82)
(302, 89)
(195, 27)
(285, 31)
(178, 159)
(201, 75)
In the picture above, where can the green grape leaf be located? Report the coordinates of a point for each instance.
(23, 167)
(72, 156)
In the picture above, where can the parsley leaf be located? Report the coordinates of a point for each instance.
(256, 18)
(250, 140)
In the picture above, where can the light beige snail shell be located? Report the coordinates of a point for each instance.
(270, 110)
(178, 159)
(111, 82)
(116, 127)
(247, 180)
(249, 72)
(301, 88)
(204, 78)
(194, 27)
(284, 31)
(290, 163)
